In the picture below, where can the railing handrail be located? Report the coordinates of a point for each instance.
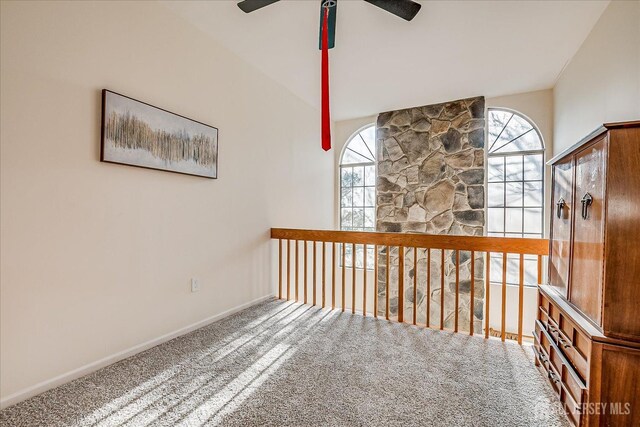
(512, 245)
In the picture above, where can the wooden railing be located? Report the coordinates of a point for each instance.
(316, 244)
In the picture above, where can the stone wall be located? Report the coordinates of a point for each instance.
(431, 180)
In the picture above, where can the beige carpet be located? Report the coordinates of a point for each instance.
(281, 363)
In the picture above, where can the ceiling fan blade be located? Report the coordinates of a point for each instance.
(251, 5)
(333, 10)
(405, 9)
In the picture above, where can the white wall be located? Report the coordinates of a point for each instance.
(96, 258)
(602, 82)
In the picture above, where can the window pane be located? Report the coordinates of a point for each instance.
(496, 268)
(369, 217)
(496, 169)
(533, 193)
(513, 220)
(533, 220)
(514, 193)
(353, 157)
(346, 199)
(369, 196)
(345, 218)
(495, 220)
(496, 194)
(513, 269)
(370, 257)
(528, 142)
(533, 169)
(516, 129)
(358, 175)
(358, 196)
(358, 145)
(346, 179)
(358, 217)
(513, 168)
(347, 252)
(370, 175)
(369, 136)
(497, 121)
(530, 271)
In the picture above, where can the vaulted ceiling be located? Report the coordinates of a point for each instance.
(451, 50)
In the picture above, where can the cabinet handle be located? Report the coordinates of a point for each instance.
(560, 204)
(563, 343)
(586, 202)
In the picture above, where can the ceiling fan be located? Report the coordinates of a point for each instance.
(405, 9)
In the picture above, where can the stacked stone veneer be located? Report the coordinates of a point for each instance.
(431, 180)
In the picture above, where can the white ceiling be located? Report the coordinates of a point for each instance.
(451, 50)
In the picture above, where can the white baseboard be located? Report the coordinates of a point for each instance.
(106, 361)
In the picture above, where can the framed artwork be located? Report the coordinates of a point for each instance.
(139, 134)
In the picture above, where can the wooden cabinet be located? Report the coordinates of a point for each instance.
(587, 337)
(594, 259)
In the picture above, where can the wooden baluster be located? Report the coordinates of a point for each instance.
(539, 269)
(297, 268)
(457, 289)
(279, 268)
(375, 281)
(472, 292)
(305, 272)
(344, 271)
(415, 285)
(401, 284)
(521, 299)
(324, 272)
(364, 287)
(487, 294)
(504, 296)
(387, 278)
(314, 273)
(442, 289)
(428, 322)
(333, 276)
(288, 269)
(353, 278)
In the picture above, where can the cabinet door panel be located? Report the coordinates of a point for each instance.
(562, 204)
(585, 290)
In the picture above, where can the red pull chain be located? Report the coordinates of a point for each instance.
(326, 120)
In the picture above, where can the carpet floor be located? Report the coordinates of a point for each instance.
(287, 364)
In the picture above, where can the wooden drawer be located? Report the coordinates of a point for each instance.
(571, 407)
(563, 368)
(562, 331)
(565, 381)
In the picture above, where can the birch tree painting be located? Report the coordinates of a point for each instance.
(139, 134)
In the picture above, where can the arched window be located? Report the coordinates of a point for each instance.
(515, 186)
(358, 189)
(358, 182)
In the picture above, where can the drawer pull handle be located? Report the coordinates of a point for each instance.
(586, 201)
(553, 377)
(563, 342)
(560, 204)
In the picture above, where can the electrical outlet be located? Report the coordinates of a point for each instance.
(195, 285)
